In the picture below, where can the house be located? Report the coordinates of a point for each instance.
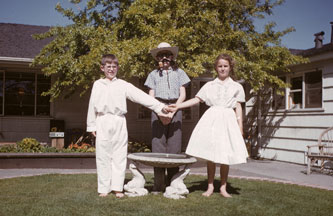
(278, 127)
(282, 126)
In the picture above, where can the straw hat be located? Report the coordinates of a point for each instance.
(162, 47)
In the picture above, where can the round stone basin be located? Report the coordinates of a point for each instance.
(163, 160)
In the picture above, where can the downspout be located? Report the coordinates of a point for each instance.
(331, 32)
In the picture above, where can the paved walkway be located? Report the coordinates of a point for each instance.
(254, 169)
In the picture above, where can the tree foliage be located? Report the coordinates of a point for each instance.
(202, 29)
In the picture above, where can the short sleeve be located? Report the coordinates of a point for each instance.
(150, 83)
(183, 78)
(240, 95)
(203, 92)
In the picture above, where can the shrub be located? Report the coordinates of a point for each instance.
(28, 145)
(8, 148)
(135, 146)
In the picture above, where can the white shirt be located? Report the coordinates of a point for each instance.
(109, 97)
(225, 94)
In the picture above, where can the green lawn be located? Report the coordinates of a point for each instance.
(77, 195)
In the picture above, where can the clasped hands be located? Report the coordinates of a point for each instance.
(167, 113)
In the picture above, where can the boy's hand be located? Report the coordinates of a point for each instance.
(165, 109)
(93, 133)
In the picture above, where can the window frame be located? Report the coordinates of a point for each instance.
(35, 104)
(288, 91)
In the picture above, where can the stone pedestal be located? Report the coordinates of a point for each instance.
(177, 188)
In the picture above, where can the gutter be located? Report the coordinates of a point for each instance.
(15, 59)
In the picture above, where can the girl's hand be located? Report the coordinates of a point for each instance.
(93, 133)
(172, 108)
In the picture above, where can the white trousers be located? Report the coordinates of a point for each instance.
(111, 152)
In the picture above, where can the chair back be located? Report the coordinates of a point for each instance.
(326, 139)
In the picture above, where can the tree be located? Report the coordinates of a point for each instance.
(202, 29)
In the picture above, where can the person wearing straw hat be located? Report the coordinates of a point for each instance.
(167, 84)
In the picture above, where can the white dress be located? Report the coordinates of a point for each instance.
(217, 136)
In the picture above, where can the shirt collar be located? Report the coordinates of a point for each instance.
(107, 81)
(226, 81)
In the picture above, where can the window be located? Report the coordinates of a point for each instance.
(43, 102)
(313, 90)
(22, 94)
(305, 92)
(295, 93)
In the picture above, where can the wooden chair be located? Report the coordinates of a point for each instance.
(325, 150)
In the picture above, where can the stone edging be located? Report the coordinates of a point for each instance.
(47, 160)
(47, 155)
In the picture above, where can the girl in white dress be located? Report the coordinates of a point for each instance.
(217, 137)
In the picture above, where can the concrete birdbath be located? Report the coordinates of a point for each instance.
(177, 188)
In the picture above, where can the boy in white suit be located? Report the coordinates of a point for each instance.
(106, 120)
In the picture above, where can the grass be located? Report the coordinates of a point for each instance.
(77, 195)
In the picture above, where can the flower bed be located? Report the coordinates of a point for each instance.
(29, 153)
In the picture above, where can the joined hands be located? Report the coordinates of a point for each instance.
(167, 113)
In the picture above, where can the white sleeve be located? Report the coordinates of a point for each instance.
(240, 96)
(138, 96)
(202, 93)
(91, 116)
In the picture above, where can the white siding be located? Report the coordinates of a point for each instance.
(285, 134)
(328, 94)
(290, 156)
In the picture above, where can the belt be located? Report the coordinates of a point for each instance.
(167, 101)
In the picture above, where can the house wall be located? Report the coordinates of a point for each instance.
(285, 134)
(13, 129)
(72, 110)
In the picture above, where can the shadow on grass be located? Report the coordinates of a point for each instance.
(202, 186)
